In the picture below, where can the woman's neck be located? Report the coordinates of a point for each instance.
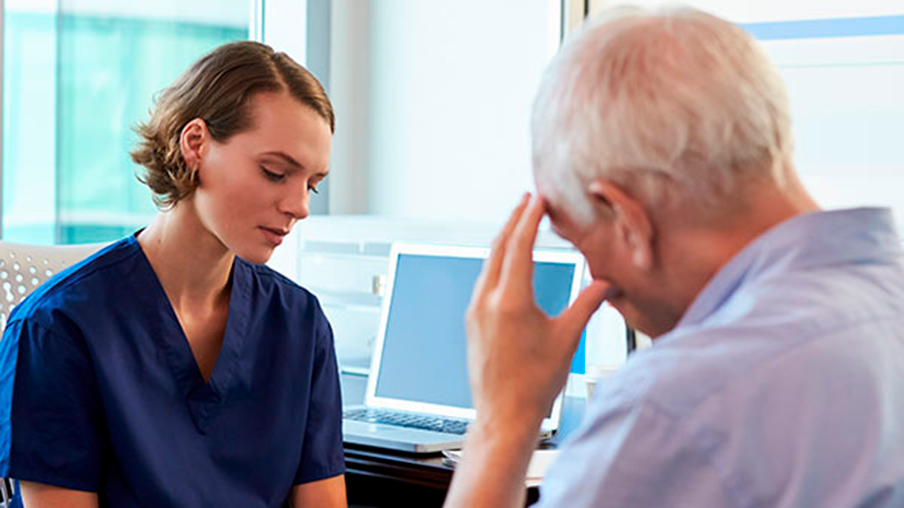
(193, 266)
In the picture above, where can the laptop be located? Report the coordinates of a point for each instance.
(418, 397)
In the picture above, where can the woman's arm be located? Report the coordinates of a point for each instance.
(55, 423)
(39, 495)
(329, 493)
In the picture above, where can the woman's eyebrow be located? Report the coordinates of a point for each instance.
(286, 158)
(292, 162)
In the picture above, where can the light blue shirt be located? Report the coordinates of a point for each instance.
(781, 386)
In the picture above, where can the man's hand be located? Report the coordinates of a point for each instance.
(518, 357)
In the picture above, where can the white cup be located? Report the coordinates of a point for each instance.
(596, 373)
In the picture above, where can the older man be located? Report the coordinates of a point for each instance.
(662, 150)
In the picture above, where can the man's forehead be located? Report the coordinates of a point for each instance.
(554, 210)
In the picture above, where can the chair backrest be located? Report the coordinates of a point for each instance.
(22, 269)
(25, 267)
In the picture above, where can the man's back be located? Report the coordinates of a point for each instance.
(780, 386)
(662, 149)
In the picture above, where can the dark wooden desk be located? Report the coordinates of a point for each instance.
(382, 478)
(378, 478)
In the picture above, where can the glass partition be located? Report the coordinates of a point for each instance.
(78, 75)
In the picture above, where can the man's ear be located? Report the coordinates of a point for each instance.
(631, 221)
(193, 142)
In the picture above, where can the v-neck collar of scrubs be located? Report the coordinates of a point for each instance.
(202, 397)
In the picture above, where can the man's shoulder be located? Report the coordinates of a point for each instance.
(804, 382)
(798, 326)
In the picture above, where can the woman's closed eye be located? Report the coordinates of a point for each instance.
(273, 175)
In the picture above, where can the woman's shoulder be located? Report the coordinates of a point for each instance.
(274, 301)
(274, 288)
(270, 281)
(77, 283)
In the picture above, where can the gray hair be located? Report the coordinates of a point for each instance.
(674, 98)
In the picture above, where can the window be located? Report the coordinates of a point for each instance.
(843, 64)
(77, 76)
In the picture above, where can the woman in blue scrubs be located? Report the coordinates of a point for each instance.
(174, 369)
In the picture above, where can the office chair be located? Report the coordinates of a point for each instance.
(22, 269)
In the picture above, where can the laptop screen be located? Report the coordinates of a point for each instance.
(422, 348)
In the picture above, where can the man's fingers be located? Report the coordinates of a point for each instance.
(492, 267)
(575, 318)
(518, 269)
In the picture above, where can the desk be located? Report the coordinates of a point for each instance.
(381, 478)
(384, 478)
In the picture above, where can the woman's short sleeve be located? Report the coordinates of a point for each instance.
(323, 456)
(51, 423)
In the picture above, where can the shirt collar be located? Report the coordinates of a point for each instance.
(806, 241)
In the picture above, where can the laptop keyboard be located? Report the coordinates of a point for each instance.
(409, 420)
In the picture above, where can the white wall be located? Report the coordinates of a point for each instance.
(433, 101)
(284, 23)
(349, 85)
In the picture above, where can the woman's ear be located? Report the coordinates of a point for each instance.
(193, 141)
(634, 229)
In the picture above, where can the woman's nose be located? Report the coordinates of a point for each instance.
(297, 204)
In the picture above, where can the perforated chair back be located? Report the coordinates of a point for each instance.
(25, 267)
(22, 269)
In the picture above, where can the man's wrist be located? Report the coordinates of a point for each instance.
(494, 461)
(507, 432)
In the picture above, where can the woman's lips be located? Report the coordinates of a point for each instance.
(274, 236)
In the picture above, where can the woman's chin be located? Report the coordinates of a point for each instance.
(256, 256)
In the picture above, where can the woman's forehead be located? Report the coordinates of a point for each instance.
(285, 129)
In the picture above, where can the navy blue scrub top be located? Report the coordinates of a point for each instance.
(99, 390)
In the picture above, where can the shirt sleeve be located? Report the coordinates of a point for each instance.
(323, 456)
(51, 422)
(634, 456)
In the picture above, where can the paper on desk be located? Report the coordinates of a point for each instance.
(539, 463)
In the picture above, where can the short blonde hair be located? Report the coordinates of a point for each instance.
(217, 89)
